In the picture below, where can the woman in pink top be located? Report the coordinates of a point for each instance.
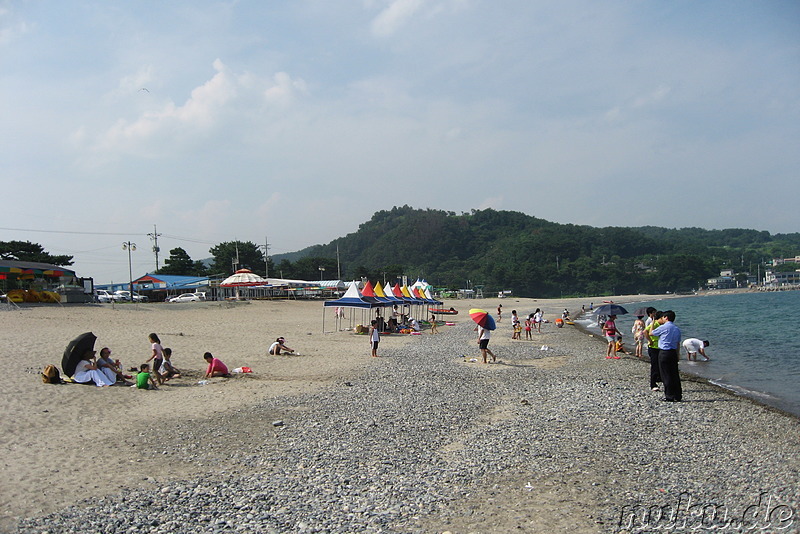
(215, 366)
(610, 330)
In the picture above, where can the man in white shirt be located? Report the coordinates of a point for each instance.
(692, 346)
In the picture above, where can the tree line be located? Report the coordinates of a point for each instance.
(499, 250)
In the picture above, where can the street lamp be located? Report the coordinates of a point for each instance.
(321, 270)
(127, 245)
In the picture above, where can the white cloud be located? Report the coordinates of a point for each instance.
(653, 97)
(394, 16)
(285, 89)
(10, 26)
(207, 112)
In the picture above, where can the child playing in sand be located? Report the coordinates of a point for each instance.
(215, 367)
(434, 327)
(144, 380)
(157, 356)
(528, 323)
(168, 370)
(620, 347)
(515, 325)
(279, 345)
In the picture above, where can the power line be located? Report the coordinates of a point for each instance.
(67, 232)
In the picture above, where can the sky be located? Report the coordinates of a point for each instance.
(293, 122)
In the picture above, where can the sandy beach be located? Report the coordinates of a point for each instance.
(57, 434)
(590, 439)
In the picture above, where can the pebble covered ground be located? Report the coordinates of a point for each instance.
(424, 440)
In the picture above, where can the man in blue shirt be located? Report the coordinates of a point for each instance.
(669, 339)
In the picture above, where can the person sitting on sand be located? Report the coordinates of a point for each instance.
(144, 380)
(87, 372)
(279, 345)
(215, 367)
(414, 324)
(110, 368)
(620, 346)
(168, 370)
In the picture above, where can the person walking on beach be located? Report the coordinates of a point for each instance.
(374, 337)
(669, 339)
(538, 317)
(483, 343)
(515, 325)
(499, 312)
(692, 346)
(434, 327)
(610, 331)
(157, 357)
(652, 346)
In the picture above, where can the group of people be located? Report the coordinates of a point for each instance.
(103, 371)
(155, 371)
(533, 323)
(663, 339)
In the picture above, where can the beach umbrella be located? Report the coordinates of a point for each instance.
(610, 309)
(641, 311)
(483, 318)
(75, 351)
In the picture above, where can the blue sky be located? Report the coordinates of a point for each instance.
(298, 120)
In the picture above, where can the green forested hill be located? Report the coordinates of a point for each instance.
(536, 258)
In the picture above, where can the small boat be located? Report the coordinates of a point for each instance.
(443, 311)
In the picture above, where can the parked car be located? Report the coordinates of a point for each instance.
(186, 297)
(126, 296)
(101, 295)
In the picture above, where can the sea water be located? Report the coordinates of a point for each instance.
(754, 341)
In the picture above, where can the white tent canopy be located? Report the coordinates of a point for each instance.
(243, 278)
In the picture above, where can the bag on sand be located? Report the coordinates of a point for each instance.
(50, 375)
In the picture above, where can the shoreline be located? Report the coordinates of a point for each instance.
(444, 444)
(688, 376)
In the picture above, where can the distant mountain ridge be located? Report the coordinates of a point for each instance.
(534, 257)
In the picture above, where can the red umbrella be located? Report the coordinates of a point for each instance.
(483, 318)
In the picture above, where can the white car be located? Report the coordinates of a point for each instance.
(186, 297)
(126, 296)
(103, 296)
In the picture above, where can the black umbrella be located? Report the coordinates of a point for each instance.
(610, 309)
(641, 312)
(75, 352)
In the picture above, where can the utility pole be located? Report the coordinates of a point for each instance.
(338, 264)
(265, 246)
(154, 237)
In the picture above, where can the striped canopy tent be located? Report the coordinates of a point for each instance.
(352, 299)
(241, 282)
(369, 293)
(429, 296)
(243, 278)
(387, 294)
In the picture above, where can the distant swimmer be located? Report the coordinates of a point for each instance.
(692, 346)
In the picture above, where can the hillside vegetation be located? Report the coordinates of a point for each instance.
(505, 250)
